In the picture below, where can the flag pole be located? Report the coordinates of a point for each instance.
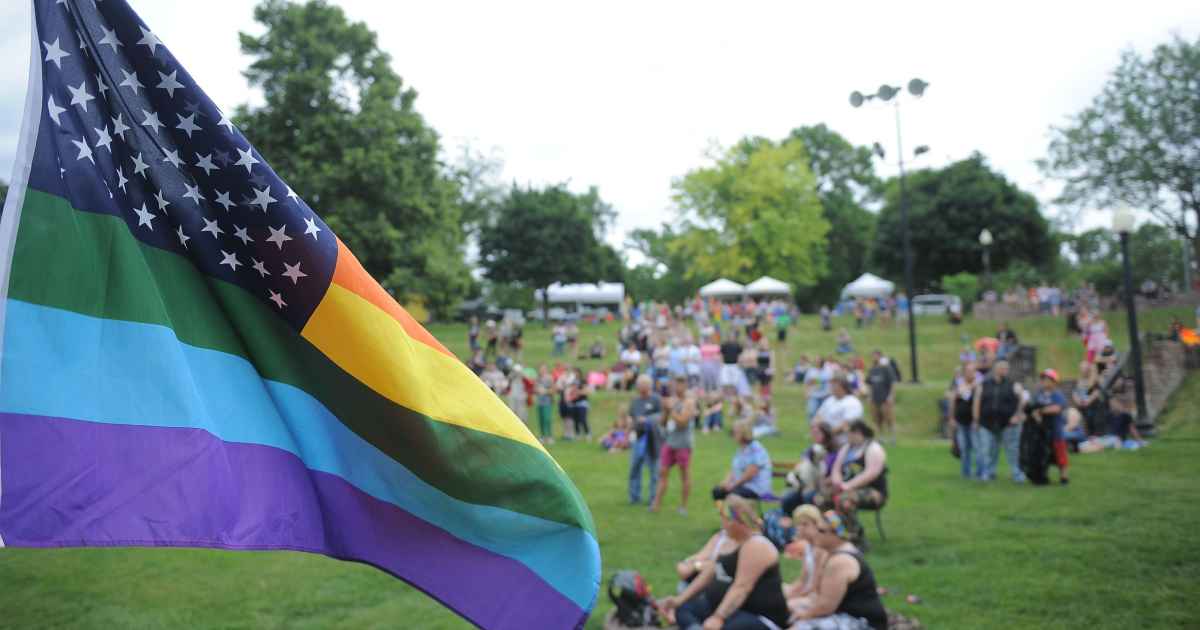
(10, 216)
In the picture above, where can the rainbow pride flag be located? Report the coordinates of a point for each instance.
(190, 357)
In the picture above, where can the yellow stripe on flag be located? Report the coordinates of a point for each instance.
(372, 346)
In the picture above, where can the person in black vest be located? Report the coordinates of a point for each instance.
(742, 589)
(847, 597)
(997, 413)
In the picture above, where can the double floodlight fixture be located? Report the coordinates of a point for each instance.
(886, 92)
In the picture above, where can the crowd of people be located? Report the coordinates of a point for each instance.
(709, 368)
(990, 413)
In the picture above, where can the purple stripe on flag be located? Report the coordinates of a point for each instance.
(73, 483)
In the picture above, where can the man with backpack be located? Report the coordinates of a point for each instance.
(997, 421)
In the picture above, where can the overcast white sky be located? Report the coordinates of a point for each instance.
(628, 95)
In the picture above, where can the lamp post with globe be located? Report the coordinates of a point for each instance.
(1123, 221)
(885, 93)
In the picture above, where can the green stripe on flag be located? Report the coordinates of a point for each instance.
(90, 264)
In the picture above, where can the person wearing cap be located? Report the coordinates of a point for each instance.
(996, 420)
(1047, 409)
(677, 427)
(848, 596)
(742, 589)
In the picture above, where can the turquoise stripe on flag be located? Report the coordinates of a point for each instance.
(68, 365)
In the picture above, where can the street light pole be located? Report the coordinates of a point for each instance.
(985, 239)
(1123, 223)
(916, 87)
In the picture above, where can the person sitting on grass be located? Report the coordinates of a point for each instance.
(845, 345)
(1123, 431)
(840, 409)
(718, 545)
(596, 351)
(858, 479)
(848, 596)
(743, 589)
(801, 593)
(812, 470)
(750, 474)
(714, 412)
(617, 438)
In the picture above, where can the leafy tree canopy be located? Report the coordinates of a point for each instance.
(539, 236)
(340, 126)
(846, 185)
(1138, 143)
(948, 209)
(754, 211)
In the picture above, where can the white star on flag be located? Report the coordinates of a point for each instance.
(293, 272)
(121, 181)
(277, 299)
(84, 150)
(245, 158)
(193, 193)
(183, 238)
(260, 268)
(205, 162)
(211, 227)
(187, 124)
(101, 85)
(225, 122)
(149, 39)
(312, 228)
(161, 201)
(262, 198)
(240, 233)
(173, 158)
(55, 53)
(110, 38)
(151, 120)
(223, 199)
(229, 259)
(144, 217)
(139, 167)
(103, 139)
(169, 83)
(130, 81)
(278, 236)
(55, 110)
(80, 96)
(119, 126)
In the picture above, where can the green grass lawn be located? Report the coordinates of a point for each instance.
(1115, 549)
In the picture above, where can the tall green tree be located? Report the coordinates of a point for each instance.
(948, 209)
(1138, 143)
(340, 126)
(662, 275)
(753, 211)
(539, 236)
(846, 185)
(3, 192)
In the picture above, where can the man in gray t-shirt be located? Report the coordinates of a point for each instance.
(677, 422)
(646, 411)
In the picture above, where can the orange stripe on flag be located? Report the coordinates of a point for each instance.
(350, 275)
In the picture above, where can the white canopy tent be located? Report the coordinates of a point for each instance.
(579, 294)
(868, 285)
(722, 288)
(767, 285)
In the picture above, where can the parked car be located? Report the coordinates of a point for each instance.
(935, 304)
(557, 314)
(515, 316)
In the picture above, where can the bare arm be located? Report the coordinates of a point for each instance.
(875, 461)
(975, 404)
(757, 555)
(837, 575)
(835, 475)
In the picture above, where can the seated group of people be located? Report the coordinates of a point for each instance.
(735, 581)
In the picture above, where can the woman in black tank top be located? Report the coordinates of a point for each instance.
(742, 590)
(847, 598)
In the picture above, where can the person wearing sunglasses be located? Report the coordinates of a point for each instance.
(847, 597)
(742, 589)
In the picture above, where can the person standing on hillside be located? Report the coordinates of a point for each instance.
(882, 380)
(677, 426)
(997, 403)
(645, 411)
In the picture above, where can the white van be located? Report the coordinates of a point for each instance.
(935, 304)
